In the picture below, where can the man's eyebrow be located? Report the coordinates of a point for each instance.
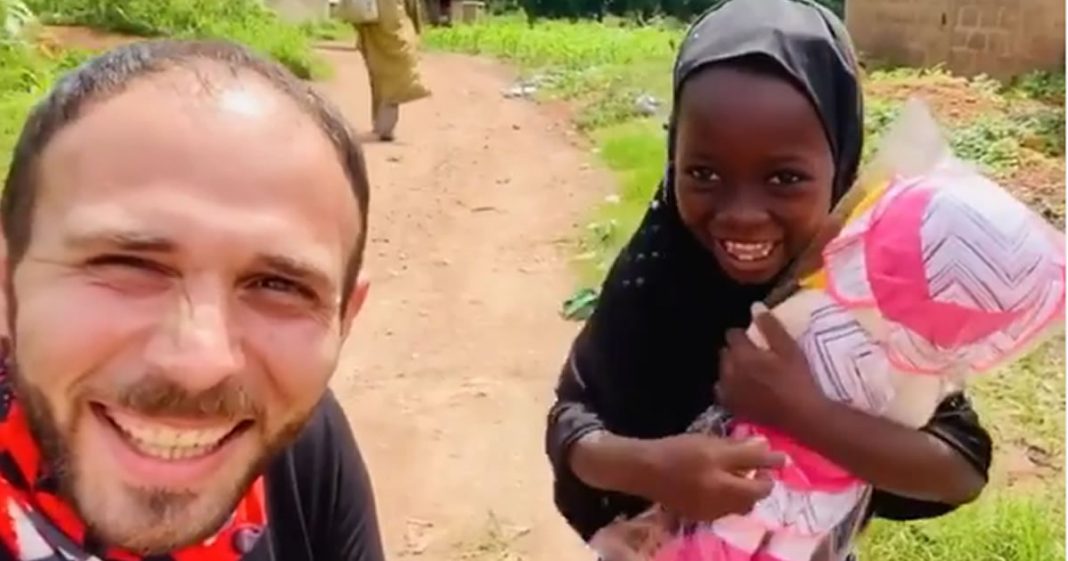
(122, 240)
(296, 269)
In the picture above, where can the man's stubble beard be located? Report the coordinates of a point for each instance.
(165, 519)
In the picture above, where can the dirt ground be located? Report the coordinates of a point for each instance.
(450, 370)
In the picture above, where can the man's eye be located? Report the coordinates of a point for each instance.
(127, 261)
(284, 286)
(787, 178)
(130, 275)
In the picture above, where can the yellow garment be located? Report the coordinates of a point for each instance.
(390, 50)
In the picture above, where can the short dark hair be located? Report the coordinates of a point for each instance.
(111, 73)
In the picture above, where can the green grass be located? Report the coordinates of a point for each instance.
(1003, 526)
(1041, 86)
(558, 44)
(327, 30)
(245, 21)
(601, 67)
(636, 152)
(26, 74)
(1024, 404)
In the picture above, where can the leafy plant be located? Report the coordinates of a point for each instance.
(1042, 86)
(1043, 129)
(15, 17)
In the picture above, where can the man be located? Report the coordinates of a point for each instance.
(183, 225)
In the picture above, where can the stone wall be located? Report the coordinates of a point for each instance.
(1001, 38)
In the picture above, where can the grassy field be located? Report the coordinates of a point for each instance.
(610, 72)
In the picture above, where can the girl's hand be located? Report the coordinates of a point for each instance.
(703, 478)
(772, 387)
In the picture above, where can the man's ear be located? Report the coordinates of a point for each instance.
(5, 293)
(355, 303)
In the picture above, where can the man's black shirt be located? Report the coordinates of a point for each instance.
(320, 505)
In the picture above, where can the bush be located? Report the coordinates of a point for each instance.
(1042, 86)
(245, 21)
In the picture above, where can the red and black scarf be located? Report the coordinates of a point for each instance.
(36, 524)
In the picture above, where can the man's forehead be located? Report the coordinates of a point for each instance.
(232, 138)
(193, 105)
(206, 88)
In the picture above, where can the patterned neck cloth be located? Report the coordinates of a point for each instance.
(40, 526)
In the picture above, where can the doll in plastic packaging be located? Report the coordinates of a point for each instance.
(938, 274)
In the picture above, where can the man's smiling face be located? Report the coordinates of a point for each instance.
(177, 311)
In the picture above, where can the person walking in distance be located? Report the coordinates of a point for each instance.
(388, 39)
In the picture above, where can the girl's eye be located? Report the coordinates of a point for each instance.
(703, 174)
(786, 178)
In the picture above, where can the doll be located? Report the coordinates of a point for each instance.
(937, 274)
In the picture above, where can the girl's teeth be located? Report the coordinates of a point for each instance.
(748, 251)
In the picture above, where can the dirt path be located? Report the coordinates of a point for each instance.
(451, 366)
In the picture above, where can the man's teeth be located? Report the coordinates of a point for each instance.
(169, 443)
(165, 453)
(748, 251)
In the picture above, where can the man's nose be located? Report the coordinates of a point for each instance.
(196, 344)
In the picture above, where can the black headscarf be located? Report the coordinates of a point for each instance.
(645, 364)
(807, 43)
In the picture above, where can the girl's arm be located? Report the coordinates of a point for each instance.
(600, 475)
(939, 463)
(573, 421)
(956, 424)
(775, 387)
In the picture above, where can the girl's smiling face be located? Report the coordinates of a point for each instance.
(754, 169)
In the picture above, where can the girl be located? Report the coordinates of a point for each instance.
(765, 137)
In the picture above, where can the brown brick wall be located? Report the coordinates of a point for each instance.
(1001, 38)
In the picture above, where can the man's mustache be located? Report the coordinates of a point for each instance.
(159, 396)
